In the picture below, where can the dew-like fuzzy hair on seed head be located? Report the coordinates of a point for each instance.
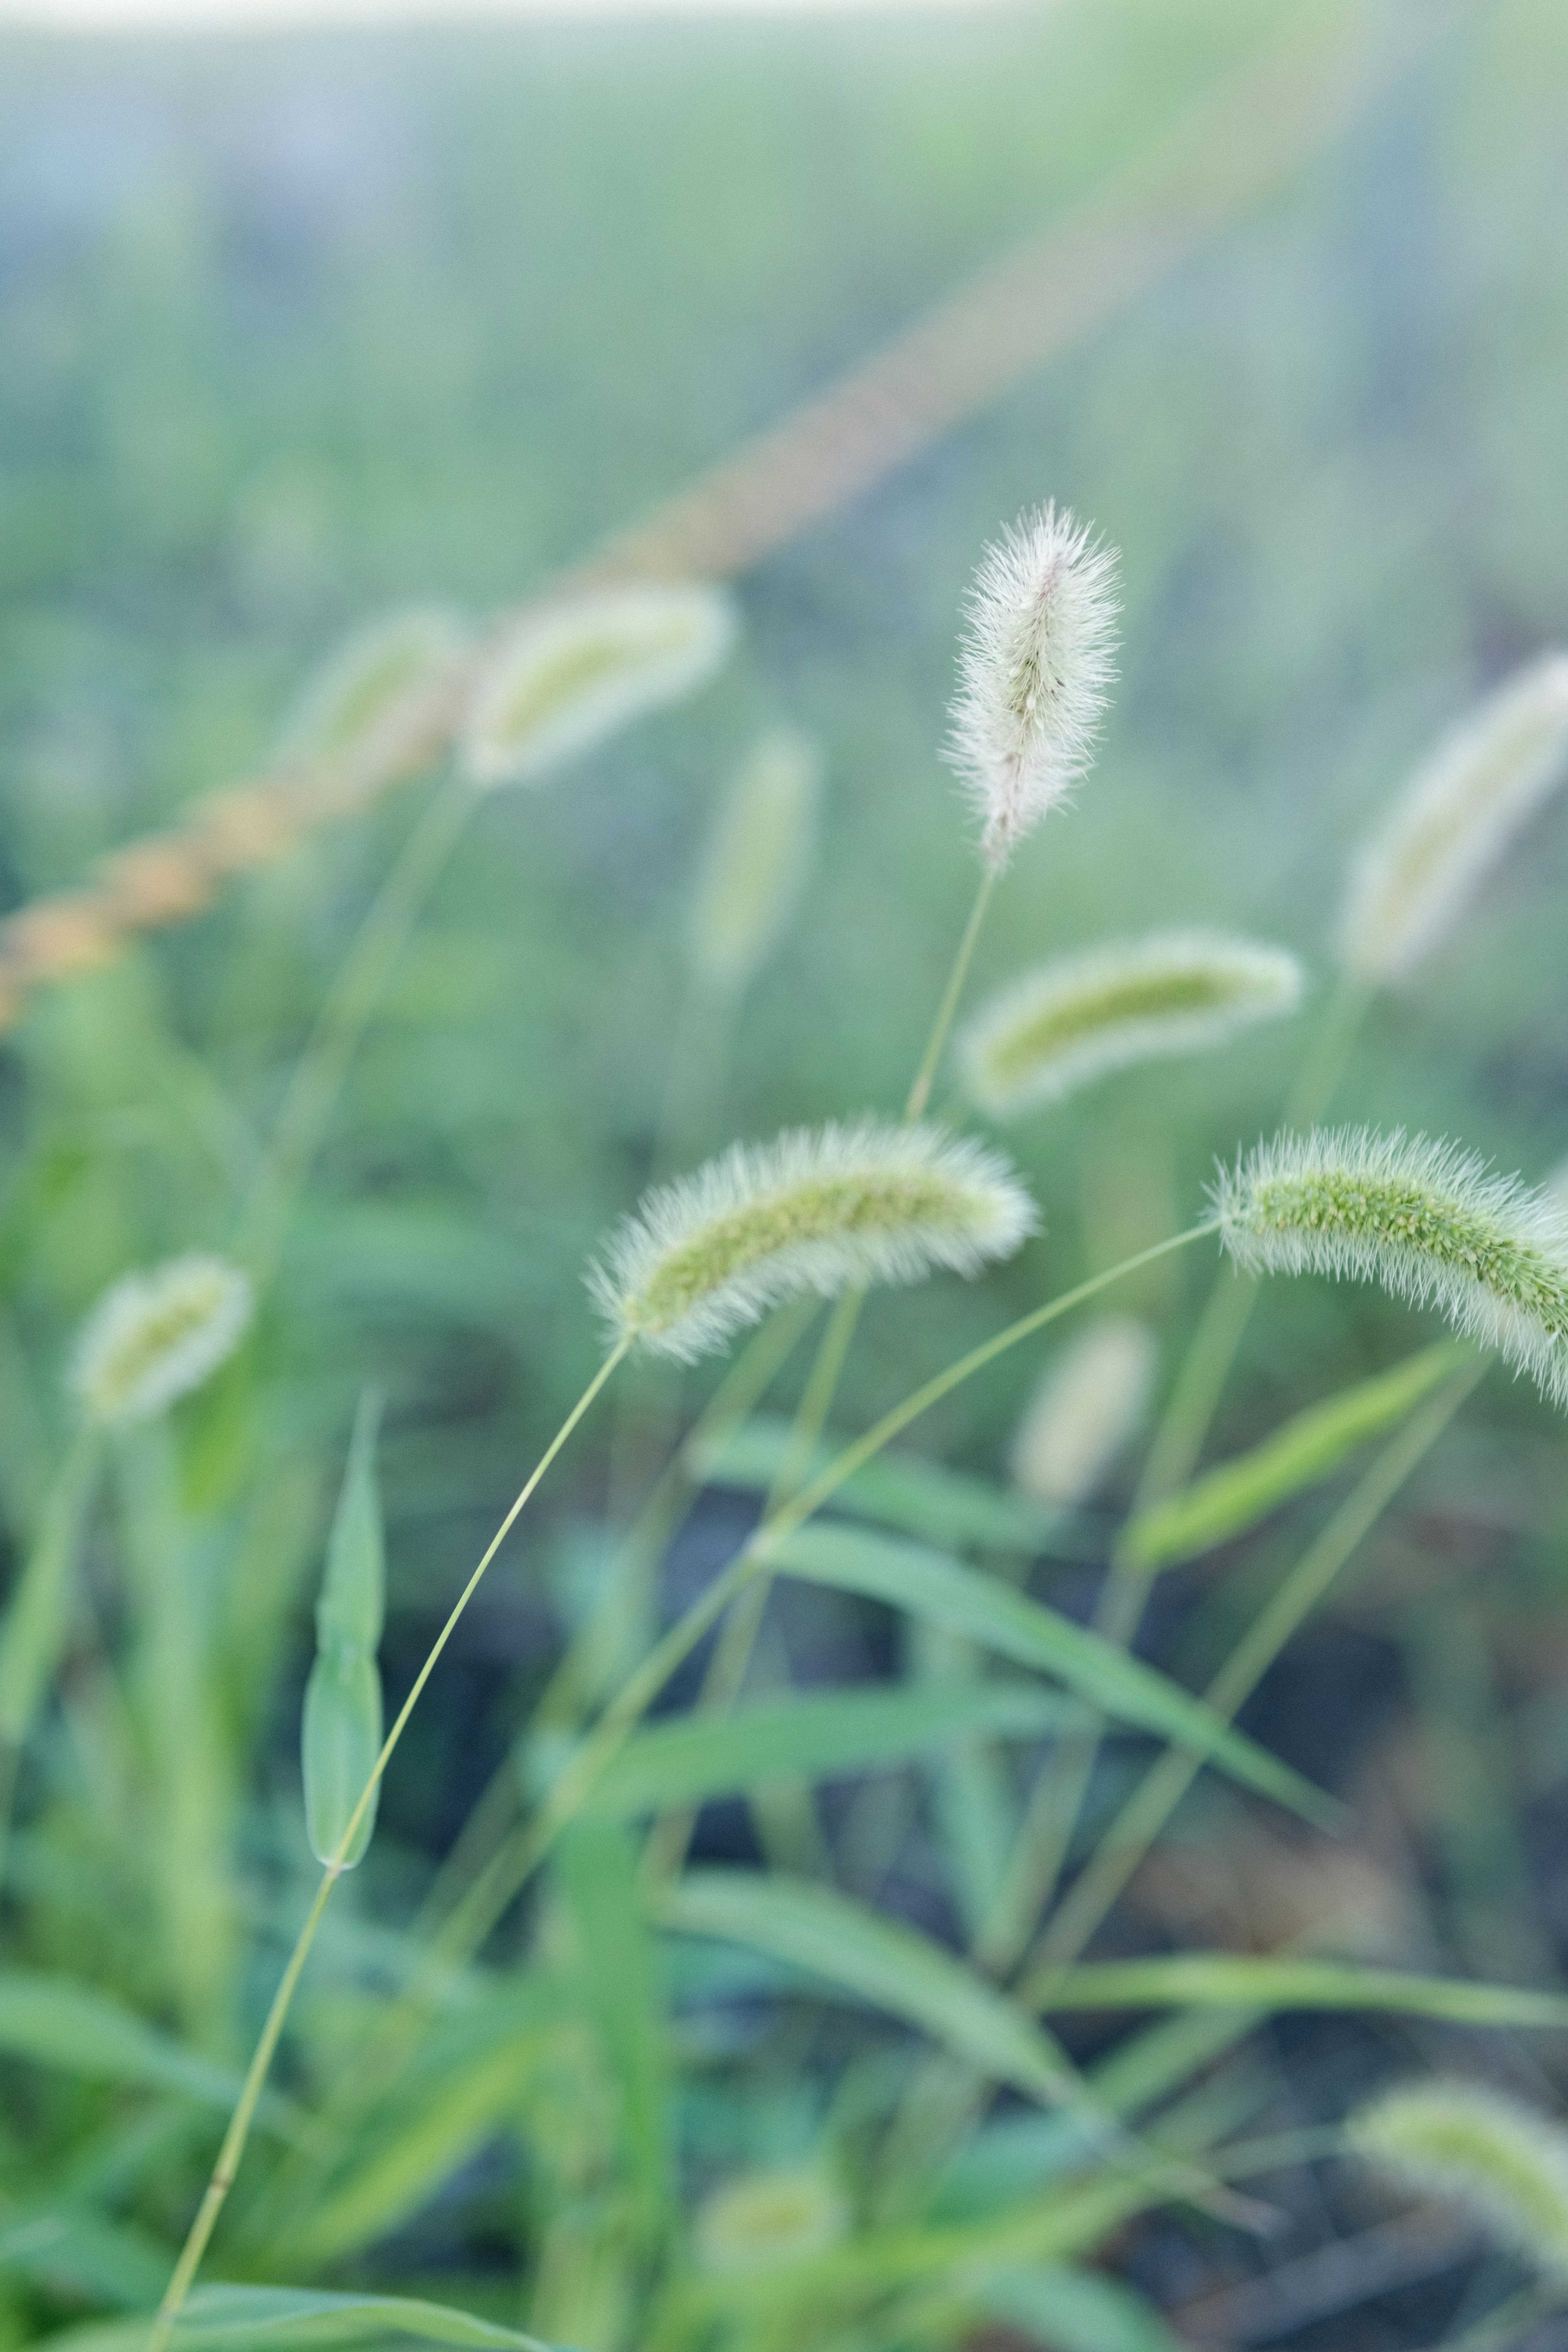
(1501, 2161)
(819, 1210)
(1089, 1404)
(153, 1336)
(567, 677)
(1035, 670)
(756, 859)
(1424, 1219)
(378, 695)
(765, 2217)
(1412, 879)
(1079, 1017)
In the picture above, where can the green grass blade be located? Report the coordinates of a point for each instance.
(1073, 2310)
(879, 1960)
(235, 2318)
(814, 1736)
(1234, 1497)
(911, 1577)
(38, 1619)
(340, 1730)
(73, 2030)
(616, 1972)
(1243, 1980)
(899, 1491)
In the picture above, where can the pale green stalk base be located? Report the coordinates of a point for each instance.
(238, 2131)
(313, 1090)
(1149, 1807)
(925, 1076)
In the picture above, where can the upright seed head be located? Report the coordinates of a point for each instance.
(155, 1336)
(1079, 1017)
(1090, 1401)
(380, 699)
(1033, 672)
(756, 859)
(567, 677)
(1412, 879)
(1423, 1218)
(1498, 2160)
(817, 1209)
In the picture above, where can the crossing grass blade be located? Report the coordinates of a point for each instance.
(236, 2318)
(1234, 1497)
(1244, 1981)
(877, 1959)
(617, 1973)
(37, 1617)
(70, 2029)
(341, 1731)
(929, 1584)
(814, 1736)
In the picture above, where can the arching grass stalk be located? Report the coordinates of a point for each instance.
(318, 1079)
(233, 2148)
(1055, 1803)
(1151, 1805)
(510, 1869)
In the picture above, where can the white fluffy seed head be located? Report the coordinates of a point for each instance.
(756, 859)
(1090, 1402)
(155, 1336)
(568, 676)
(766, 2218)
(1498, 2160)
(1424, 1219)
(818, 1208)
(380, 699)
(1412, 879)
(1035, 669)
(1079, 1017)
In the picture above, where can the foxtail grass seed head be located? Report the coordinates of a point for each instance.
(1081, 1016)
(1424, 1219)
(372, 706)
(155, 1336)
(1412, 879)
(570, 674)
(1498, 2160)
(1035, 670)
(766, 2218)
(756, 860)
(1556, 1185)
(817, 1209)
(1091, 1401)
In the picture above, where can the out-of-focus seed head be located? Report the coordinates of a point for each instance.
(155, 1336)
(1091, 1400)
(756, 859)
(1496, 2159)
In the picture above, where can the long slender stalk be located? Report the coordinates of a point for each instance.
(925, 1076)
(238, 2131)
(313, 1093)
(1151, 1805)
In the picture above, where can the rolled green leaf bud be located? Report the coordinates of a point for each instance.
(153, 1336)
(1413, 879)
(817, 1209)
(1035, 670)
(756, 859)
(1091, 1401)
(768, 2218)
(1080, 1016)
(1423, 1219)
(571, 674)
(376, 703)
(1498, 2160)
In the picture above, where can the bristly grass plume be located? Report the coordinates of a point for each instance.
(1079, 1017)
(767, 2218)
(817, 1209)
(1486, 779)
(1090, 1401)
(155, 1336)
(756, 859)
(1033, 673)
(565, 678)
(384, 690)
(1498, 2159)
(1424, 1219)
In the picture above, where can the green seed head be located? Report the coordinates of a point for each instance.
(1499, 2160)
(156, 1336)
(1088, 1404)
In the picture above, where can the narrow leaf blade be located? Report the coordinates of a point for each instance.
(1260, 1982)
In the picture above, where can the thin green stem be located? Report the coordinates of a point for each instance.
(238, 2131)
(925, 1076)
(1151, 1805)
(312, 1092)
